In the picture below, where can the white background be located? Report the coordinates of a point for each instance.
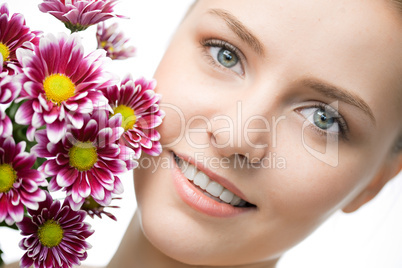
(370, 238)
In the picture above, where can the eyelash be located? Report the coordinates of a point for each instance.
(343, 127)
(208, 43)
(339, 119)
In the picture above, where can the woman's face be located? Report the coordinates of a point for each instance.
(292, 105)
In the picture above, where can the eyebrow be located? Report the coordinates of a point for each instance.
(339, 94)
(239, 29)
(324, 88)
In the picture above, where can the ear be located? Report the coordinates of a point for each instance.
(390, 169)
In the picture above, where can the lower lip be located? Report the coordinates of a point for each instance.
(193, 197)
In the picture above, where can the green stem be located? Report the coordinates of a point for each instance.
(12, 110)
(19, 132)
(1, 260)
(75, 27)
(14, 226)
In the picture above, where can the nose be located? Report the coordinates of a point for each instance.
(242, 131)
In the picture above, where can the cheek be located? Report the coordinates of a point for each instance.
(184, 98)
(172, 128)
(307, 189)
(322, 190)
(175, 99)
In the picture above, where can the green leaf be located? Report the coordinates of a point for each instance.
(19, 132)
(14, 226)
(1, 260)
(12, 110)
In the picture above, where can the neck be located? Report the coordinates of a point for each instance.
(136, 251)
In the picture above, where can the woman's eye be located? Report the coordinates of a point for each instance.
(226, 58)
(224, 55)
(325, 120)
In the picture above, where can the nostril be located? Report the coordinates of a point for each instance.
(213, 139)
(241, 157)
(247, 158)
(221, 139)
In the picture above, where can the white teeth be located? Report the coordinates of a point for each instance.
(242, 203)
(201, 180)
(226, 196)
(213, 197)
(235, 201)
(212, 188)
(190, 172)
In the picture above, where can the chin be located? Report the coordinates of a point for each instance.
(188, 234)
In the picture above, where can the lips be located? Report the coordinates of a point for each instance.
(207, 194)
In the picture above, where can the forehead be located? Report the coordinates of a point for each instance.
(358, 41)
(352, 23)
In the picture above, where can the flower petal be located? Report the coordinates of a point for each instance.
(56, 131)
(66, 177)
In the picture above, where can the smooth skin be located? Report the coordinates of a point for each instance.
(299, 52)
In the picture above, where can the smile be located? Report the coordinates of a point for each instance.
(204, 193)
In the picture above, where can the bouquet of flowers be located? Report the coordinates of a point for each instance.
(67, 125)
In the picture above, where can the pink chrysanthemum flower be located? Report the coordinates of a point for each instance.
(14, 34)
(94, 209)
(78, 15)
(138, 103)
(61, 85)
(86, 161)
(10, 85)
(6, 126)
(56, 236)
(113, 41)
(19, 184)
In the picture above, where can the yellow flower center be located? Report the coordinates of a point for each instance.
(128, 115)
(110, 46)
(58, 88)
(83, 156)
(50, 234)
(7, 177)
(5, 52)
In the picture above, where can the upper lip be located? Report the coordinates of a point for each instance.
(215, 177)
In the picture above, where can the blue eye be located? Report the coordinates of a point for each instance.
(227, 58)
(224, 55)
(324, 118)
